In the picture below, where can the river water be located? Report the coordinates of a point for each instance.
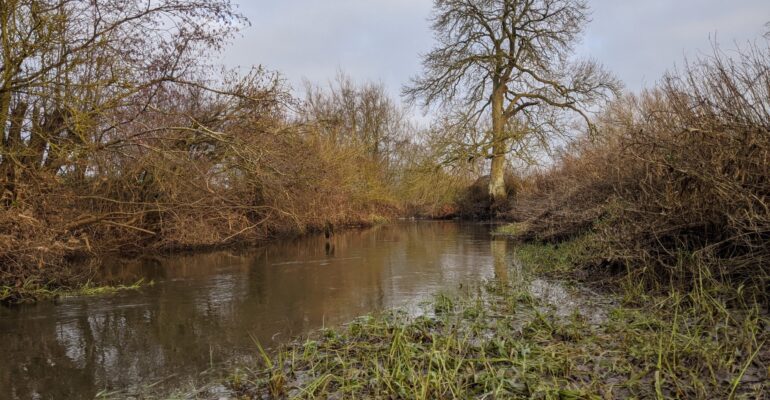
(206, 309)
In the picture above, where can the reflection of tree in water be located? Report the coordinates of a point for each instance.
(41, 363)
(499, 250)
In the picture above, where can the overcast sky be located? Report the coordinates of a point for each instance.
(382, 40)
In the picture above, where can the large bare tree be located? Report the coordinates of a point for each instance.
(511, 60)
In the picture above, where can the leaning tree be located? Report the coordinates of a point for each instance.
(513, 59)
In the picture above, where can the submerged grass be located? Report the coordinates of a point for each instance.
(91, 289)
(33, 293)
(502, 340)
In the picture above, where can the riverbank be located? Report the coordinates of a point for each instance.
(76, 272)
(516, 339)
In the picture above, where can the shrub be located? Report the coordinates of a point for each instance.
(677, 182)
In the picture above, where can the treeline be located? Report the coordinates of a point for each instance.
(119, 138)
(674, 187)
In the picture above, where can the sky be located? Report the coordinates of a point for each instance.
(382, 40)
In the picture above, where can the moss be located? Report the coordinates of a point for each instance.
(90, 289)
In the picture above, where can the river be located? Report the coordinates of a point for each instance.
(204, 310)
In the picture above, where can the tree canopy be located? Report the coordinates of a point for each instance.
(512, 59)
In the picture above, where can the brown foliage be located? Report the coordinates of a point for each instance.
(117, 138)
(677, 185)
(199, 168)
(248, 173)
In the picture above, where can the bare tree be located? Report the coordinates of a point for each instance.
(512, 58)
(75, 73)
(356, 113)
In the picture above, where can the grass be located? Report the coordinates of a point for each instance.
(378, 219)
(553, 259)
(90, 289)
(503, 340)
(513, 229)
(29, 292)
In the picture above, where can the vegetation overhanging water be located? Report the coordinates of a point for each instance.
(121, 144)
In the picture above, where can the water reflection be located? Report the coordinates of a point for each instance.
(499, 250)
(204, 308)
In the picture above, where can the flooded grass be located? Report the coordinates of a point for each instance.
(504, 341)
(33, 293)
(513, 229)
(552, 259)
(91, 289)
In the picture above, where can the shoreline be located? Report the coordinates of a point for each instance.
(79, 273)
(508, 339)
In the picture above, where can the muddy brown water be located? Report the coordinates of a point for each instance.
(206, 309)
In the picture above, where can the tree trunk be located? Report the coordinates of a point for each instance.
(497, 190)
(500, 262)
(13, 147)
(33, 157)
(5, 106)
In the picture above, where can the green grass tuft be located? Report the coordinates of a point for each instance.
(554, 258)
(513, 229)
(31, 292)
